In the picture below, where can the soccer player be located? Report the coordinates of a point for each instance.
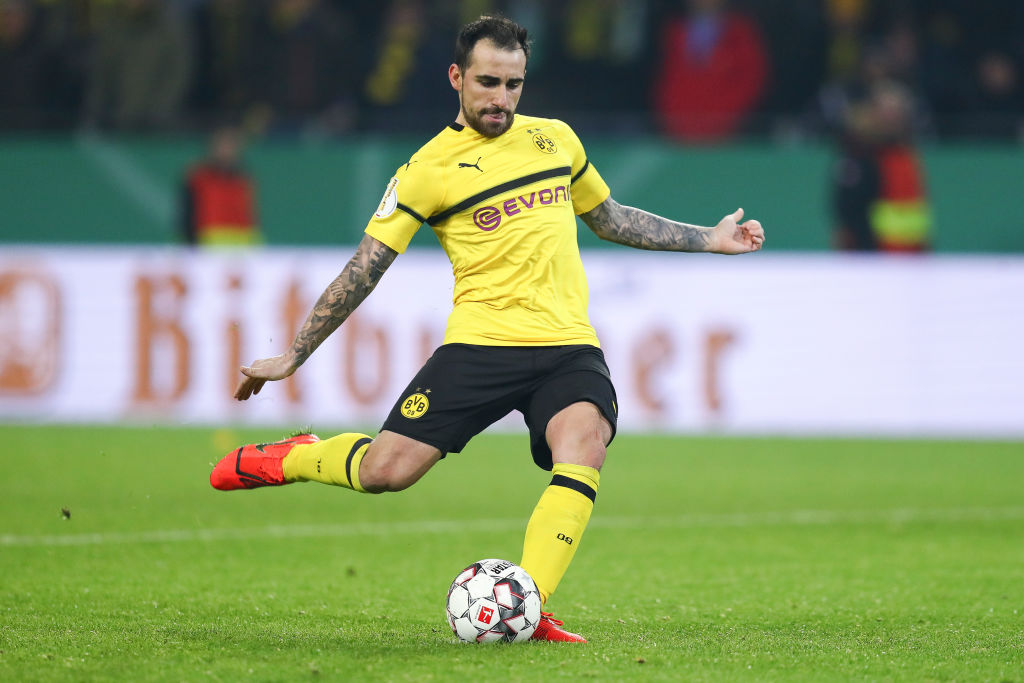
(501, 191)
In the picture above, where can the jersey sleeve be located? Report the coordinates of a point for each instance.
(588, 187)
(413, 194)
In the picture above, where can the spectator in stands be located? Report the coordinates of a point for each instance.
(141, 68)
(23, 66)
(307, 68)
(798, 66)
(397, 58)
(413, 45)
(998, 96)
(219, 196)
(225, 47)
(945, 68)
(878, 188)
(587, 49)
(712, 74)
(891, 55)
(851, 65)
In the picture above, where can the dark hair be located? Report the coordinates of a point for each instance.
(504, 33)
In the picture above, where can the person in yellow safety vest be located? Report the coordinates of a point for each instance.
(219, 197)
(879, 194)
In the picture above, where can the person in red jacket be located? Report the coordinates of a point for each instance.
(879, 193)
(219, 198)
(712, 73)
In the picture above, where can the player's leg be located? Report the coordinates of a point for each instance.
(390, 462)
(577, 436)
(455, 395)
(395, 462)
(572, 420)
(396, 459)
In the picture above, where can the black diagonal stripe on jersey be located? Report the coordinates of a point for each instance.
(575, 485)
(412, 213)
(582, 171)
(498, 189)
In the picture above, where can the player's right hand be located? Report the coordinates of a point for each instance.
(263, 371)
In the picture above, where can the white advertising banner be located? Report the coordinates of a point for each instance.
(758, 344)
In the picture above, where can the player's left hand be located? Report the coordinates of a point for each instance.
(731, 236)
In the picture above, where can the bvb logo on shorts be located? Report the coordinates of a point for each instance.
(544, 143)
(415, 406)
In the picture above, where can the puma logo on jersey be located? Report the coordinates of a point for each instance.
(463, 164)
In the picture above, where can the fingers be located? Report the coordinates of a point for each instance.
(754, 229)
(244, 390)
(754, 232)
(737, 215)
(258, 374)
(248, 387)
(245, 387)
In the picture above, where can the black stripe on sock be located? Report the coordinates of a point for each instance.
(351, 454)
(499, 189)
(575, 485)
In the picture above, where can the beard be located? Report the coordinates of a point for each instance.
(486, 127)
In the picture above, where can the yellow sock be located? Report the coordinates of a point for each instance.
(333, 461)
(557, 524)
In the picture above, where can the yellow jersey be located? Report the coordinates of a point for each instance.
(504, 210)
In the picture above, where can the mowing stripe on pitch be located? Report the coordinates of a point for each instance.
(691, 521)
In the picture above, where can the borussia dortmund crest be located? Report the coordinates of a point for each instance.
(545, 143)
(416, 405)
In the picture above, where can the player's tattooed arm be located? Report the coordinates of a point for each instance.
(355, 282)
(637, 228)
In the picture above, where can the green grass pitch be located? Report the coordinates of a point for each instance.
(706, 559)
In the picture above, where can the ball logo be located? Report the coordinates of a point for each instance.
(485, 616)
(487, 218)
(498, 567)
(415, 406)
(544, 143)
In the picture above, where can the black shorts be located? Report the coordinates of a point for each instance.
(464, 388)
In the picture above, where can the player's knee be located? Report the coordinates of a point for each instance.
(592, 454)
(579, 436)
(589, 451)
(386, 471)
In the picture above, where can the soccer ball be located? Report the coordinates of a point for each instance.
(493, 600)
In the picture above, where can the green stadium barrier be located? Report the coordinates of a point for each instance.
(101, 190)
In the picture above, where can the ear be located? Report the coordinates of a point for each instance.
(455, 77)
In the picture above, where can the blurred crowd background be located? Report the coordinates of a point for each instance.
(890, 128)
(693, 70)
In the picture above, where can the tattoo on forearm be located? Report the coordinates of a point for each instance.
(349, 289)
(636, 228)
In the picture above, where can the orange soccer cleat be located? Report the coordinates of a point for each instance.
(550, 629)
(256, 465)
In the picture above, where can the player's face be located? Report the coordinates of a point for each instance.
(489, 89)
